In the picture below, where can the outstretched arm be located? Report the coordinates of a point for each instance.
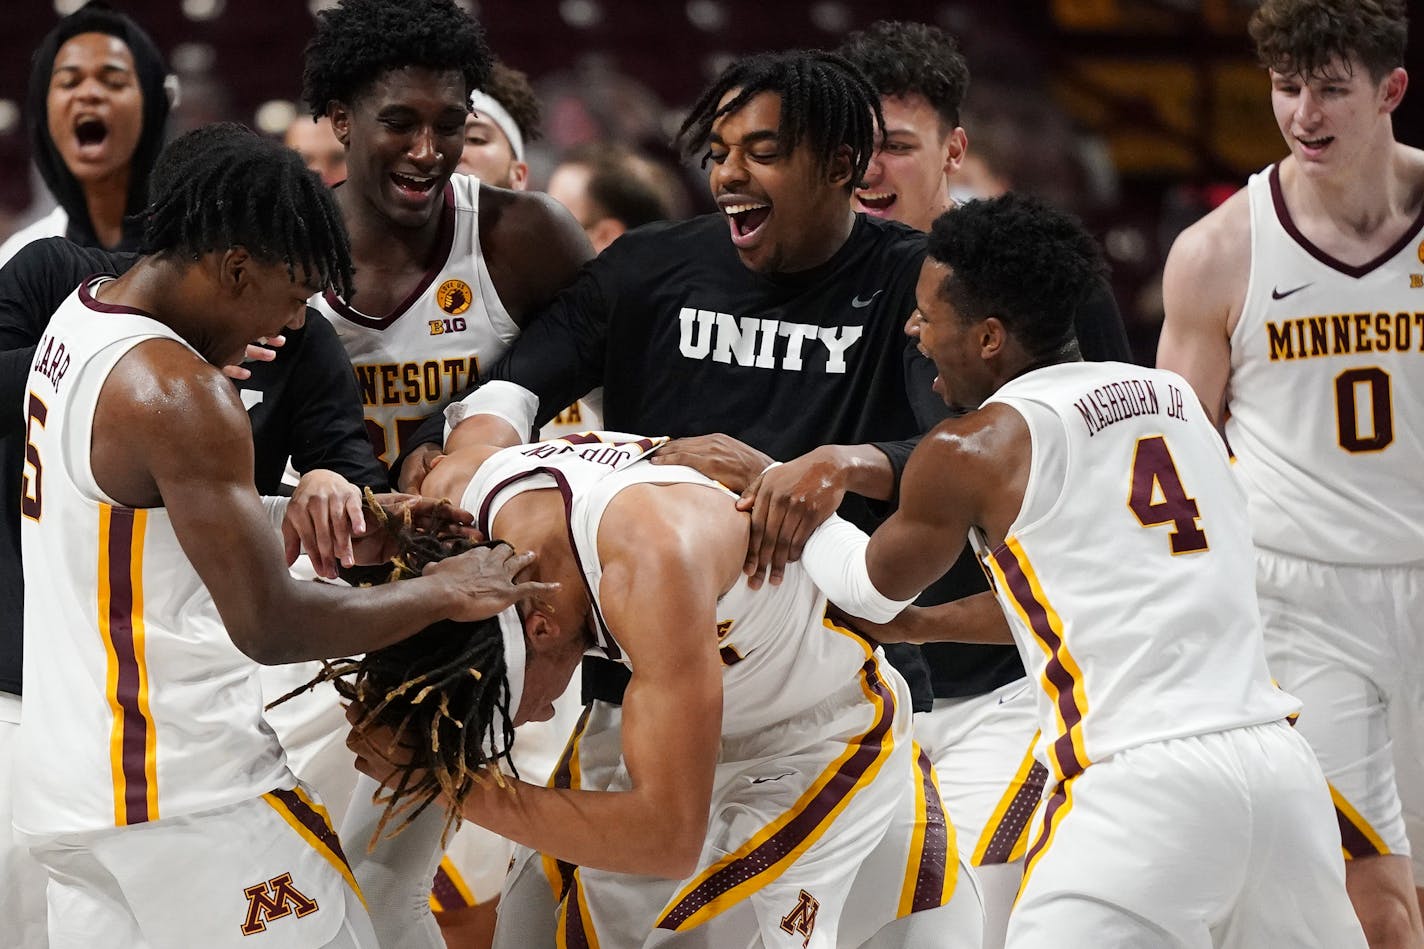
(170, 431)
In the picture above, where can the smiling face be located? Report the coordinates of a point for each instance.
(785, 213)
(94, 106)
(404, 136)
(906, 178)
(488, 155)
(954, 344)
(1331, 119)
(254, 299)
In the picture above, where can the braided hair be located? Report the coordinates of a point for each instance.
(446, 689)
(825, 101)
(223, 185)
(357, 41)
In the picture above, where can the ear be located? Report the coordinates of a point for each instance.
(1394, 86)
(541, 630)
(839, 167)
(234, 270)
(956, 143)
(993, 338)
(340, 115)
(605, 231)
(519, 176)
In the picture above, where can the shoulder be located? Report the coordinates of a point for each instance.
(532, 245)
(977, 440)
(1210, 261)
(685, 528)
(890, 238)
(173, 389)
(1410, 162)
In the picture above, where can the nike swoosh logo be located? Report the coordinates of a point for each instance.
(773, 778)
(1278, 295)
(858, 303)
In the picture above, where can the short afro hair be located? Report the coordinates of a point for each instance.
(911, 58)
(357, 41)
(1301, 37)
(1018, 259)
(510, 88)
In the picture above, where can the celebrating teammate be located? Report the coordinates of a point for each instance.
(143, 729)
(1293, 310)
(1152, 671)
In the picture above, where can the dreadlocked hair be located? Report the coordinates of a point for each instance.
(446, 689)
(357, 41)
(825, 100)
(223, 186)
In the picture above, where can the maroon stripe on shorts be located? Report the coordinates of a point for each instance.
(574, 935)
(1055, 671)
(1353, 839)
(121, 635)
(929, 881)
(767, 856)
(312, 821)
(446, 893)
(1016, 816)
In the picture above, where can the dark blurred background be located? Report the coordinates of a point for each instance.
(1139, 115)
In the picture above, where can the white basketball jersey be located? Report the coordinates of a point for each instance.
(1326, 397)
(1128, 576)
(137, 704)
(410, 362)
(779, 654)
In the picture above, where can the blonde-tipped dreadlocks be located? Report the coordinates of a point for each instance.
(444, 691)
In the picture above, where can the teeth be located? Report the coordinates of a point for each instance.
(740, 208)
(875, 195)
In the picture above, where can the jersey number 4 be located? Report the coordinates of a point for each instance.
(1158, 498)
(31, 496)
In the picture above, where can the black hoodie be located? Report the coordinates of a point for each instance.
(98, 17)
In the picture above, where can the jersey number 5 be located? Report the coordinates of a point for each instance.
(30, 496)
(1154, 477)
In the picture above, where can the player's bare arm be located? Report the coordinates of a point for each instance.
(533, 247)
(170, 431)
(968, 472)
(1203, 289)
(789, 501)
(668, 553)
(971, 619)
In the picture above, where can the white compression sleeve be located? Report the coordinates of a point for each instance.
(276, 508)
(512, 403)
(396, 876)
(834, 557)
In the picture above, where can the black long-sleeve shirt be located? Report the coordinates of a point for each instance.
(303, 405)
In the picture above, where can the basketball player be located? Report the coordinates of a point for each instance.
(448, 268)
(503, 120)
(781, 325)
(143, 738)
(1138, 619)
(752, 707)
(1293, 309)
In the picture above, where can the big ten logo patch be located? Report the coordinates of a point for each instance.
(454, 297)
(801, 921)
(269, 901)
(441, 327)
(1416, 281)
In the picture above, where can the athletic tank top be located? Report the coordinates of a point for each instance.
(410, 362)
(1326, 398)
(137, 704)
(780, 655)
(1128, 576)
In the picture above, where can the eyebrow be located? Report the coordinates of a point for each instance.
(751, 138)
(111, 66)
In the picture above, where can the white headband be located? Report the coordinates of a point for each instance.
(484, 104)
(511, 627)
